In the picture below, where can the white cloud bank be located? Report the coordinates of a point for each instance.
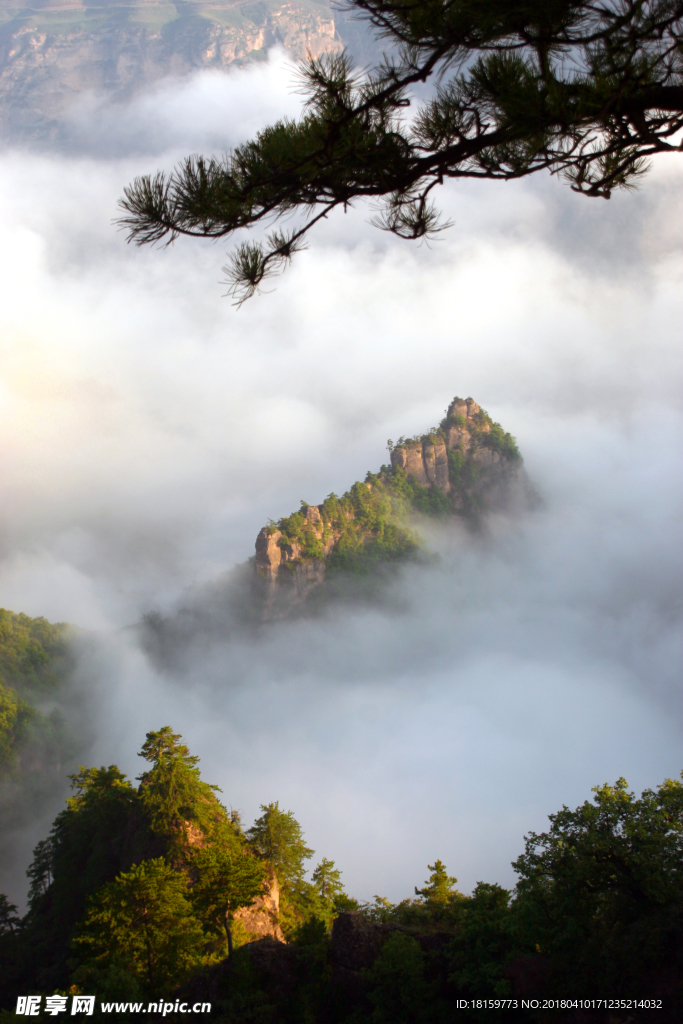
(149, 430)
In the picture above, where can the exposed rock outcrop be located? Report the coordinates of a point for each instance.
(262, 917)
(346, 547)
(426, 459)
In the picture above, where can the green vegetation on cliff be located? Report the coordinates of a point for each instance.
(33, 670)
(374, 522)
(364, 524)
(31, 652)
(482, 429)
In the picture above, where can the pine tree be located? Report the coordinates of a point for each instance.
(143, 922)
(41, 869)
(173, 793)
(225, 881)
(327, 881)
(583, 90)
(440, 889)
(278, 837)
(84, 850)
(9, 920)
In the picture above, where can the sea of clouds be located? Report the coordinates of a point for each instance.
(149, 429)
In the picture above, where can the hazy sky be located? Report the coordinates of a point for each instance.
(150, 429)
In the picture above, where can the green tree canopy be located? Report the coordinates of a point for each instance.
(398, 991)
(225, 881)
(327, 881)
(14, 716)
(84, 847)
(32, 652)
(601, 892)
(41, 869)
(143, 922)
(586, 90)
(106, 826)
(34, 743)
(173, 793)
(9, 920)
(84, 850)
(278, 837)
(441, 887)
(482, 943)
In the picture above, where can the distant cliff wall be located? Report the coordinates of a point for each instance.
(51, 54)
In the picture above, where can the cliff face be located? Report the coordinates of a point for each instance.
(466, 467)
(467, 432)
(49, 54)
(261, 919)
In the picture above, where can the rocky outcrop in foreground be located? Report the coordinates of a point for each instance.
(364, 967)
(279, 973)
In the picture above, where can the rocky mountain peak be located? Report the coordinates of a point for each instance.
(467, 466)
(466, 407)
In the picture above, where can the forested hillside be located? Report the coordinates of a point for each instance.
(156, 892)
(35, 744)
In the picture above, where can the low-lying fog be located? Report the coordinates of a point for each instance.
(150, 429)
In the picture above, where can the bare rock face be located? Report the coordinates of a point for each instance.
(485, 457)
(261, 917)
(307, 575)
(426, 461)
(284, 577)
(458, 437)
(268, 553)
(313, 516)
(436, 465)
(466, 407)
(411, 458)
